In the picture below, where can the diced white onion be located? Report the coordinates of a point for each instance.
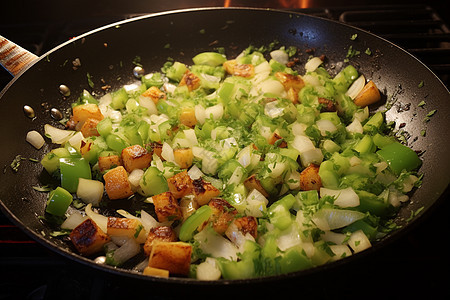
(343, 198)
(132, 87)
(326, 126)
(58, 136)
(340, 251)
(311, 156)
(35, 139)
(75, 140)
(167, 153)
(216, 245)
(208, 270)
(271, 86)
(237, 177)
(256, 204)
(135, 177)
(195, 173)
(358, 241)
(280, 56)
(313, 64)
(215, 111)
(289, 237)
(330, 219)
(299, 128)
(302, 143)
(272, 110)
(355, 127)
(200, 113)
(148, 221)
(191, 136)
(334, 237)
(276, 169)
(100, 220)
(356, 87)
(128, 250)
(148, 103)
(90, 191)
(72, 221)
(262, 68)
(361, 114)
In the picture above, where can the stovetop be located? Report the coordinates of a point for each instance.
(415, 265)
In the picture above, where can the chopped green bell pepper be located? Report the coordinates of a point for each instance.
(400, 157)
(58, 201)
(191, 224)
(72, 169)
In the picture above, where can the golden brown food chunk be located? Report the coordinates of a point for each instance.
(223, 214)
(204, 191)
(310, 179)
(166, 207)
(117, 185)
(180, 184)
(292, 84)
(149, 271)
(184, 157)
(190, 80)
(155, 94)
(369, 95)
(172, 256)
(88, 238)
(327, 105)
(89, 127)
(247, 224)
(187, 117)
(125, 227)
(81, 113)
(108, 162)
(156, 149)
(136, 157)
(243, 70)
(159, 234)
(276, 137)
(253, 183)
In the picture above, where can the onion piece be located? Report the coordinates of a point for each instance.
(35, 139)
(340, 251)
(72, 221)
(208, 270)
(100, 220)
(215, 111)
(358, 241)
(167, 153)
(58, 136)
(195, 173)
(135, 177)
(75, 140)
(90, 191)
(356, 87)
(313, 64)
(355, 127)
(325, 126)
(148, 103)
(343, 198)
(200, 114)
(128, 250)
(330, 218)
(280, 56)
(256, 204)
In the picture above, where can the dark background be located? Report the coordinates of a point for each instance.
(414, 266)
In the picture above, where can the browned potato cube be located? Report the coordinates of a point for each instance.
(85, 147)
(310, 179)
(369, 95)
(125, 227)
(159, 234)
(247, 224)
(223, 214)
(253, 183)
(166, 207)
(187, 117)
(89, 127)
(172, 256)
(275, 137)
(190, 80)
(117, 185)
(108, 162)
(155, 94)
(204, 191)
(88, 238)
(136, 157)
(327, 105)
(243, 70)
(290, 81)
(157, 149)
(183, 157)
(81, 113)
(180, 184)
(149, 271)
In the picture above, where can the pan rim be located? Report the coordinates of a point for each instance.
(180, 280)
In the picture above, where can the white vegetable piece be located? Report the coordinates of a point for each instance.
(75, 140)
(325, 126)
(208, 270)
(280, 56)
(215, 111)
(302, 143)
(311, 156)
(355, 127)
(344, 198)
(358, 241)
(135, 177)
(356, 87)
(90, 191)
(100, 220)
(330, 219)
(313, 64)
(272, 110)
(148, 103)
(216, 245)
(200, 113)
(72, 221)
(256, 204)
(167, 153)
(340, 251)
(58, 136)
(35, 139)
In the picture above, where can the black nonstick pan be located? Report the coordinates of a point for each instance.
(107, 56)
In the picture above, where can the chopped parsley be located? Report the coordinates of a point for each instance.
(354, 36)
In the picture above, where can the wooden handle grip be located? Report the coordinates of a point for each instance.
(13, 57)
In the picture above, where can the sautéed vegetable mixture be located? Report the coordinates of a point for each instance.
(249, 168)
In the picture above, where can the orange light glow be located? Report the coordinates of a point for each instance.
(227, 3)
(295, 3)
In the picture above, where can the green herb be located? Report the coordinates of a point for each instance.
(291, 51)
(89, 79)
(44, 188)
(421, 84)
(16, 162)
(167, 46)
(423, 132)
(421, 104)
(137, 61)
(352, 52)
(354, 36)
(138, 230)
(62, 232)
(429, 115)
(414, 214)
(33, 159)
(202, 31)
(368, 51)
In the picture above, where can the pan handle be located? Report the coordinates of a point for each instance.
(13, 57)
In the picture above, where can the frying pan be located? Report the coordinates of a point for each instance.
(109, 55)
